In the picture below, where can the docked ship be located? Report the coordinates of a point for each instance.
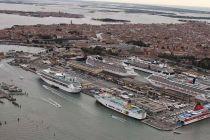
(148, 66)
(121, 106)
(60, 80)
(110, 66)
(200, 112)
(180, 83)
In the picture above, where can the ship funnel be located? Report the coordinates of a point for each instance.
(198, 107)
(194, 79)
(129, 104)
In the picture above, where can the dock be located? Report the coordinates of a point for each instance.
(8, 91)
(159, 125)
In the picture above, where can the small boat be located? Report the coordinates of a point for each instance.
(21, 78)
(176, 132)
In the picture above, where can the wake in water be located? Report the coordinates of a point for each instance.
(54, 91)
(52, 102)
(61, 95)
(118, 118)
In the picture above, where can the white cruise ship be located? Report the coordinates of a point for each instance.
(62, 81)
(121, 106)
(111, 66)
(181, 83)
(148, 66)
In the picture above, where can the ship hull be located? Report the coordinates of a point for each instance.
(120, 109)
(199, 118)
(66, 89)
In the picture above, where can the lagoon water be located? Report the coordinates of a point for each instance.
(88, 9)
(6, 48)
(72, 7)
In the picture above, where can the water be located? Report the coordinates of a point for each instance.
(91, 11)
(88, 9)
(79, 118)
(6, 48)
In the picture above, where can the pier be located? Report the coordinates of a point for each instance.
(8, 91)
(159, 125)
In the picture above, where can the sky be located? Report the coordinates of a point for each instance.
(194, 3)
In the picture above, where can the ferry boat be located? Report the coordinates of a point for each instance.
(199, 113)
(110, 66)
(60, 80)
(148, 66)
(121, 106)
(180, 83)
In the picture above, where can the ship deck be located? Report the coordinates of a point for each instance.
(121, 102)
(60, 79)
(182, 83)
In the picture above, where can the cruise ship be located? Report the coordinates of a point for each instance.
(180, 83)
(120, 105)
(200, 112)
(60, 80)
(110, 66)
(148, 66)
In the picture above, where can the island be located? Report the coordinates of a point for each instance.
(41, 14)
(187, 17)
(111, 20)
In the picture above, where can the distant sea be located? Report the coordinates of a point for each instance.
(88, 9)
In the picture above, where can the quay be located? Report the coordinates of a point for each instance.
(158, 125)
(9, 91)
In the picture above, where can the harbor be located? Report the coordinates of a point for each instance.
(162, 106)
(54, 99)
(85, 70)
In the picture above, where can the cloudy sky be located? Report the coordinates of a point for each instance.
(195, 3)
